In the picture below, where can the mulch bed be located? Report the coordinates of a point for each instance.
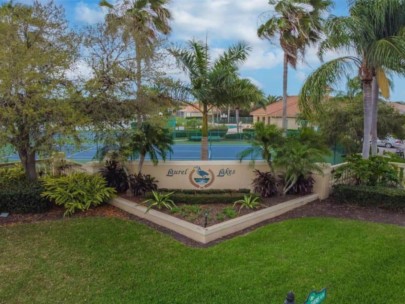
(327, 208)
(215, 212)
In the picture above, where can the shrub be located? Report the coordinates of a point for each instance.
(248, 202)
(375, 171)
(200, 199)
(11, 175)
(206, 191)
(297, 161)
(115, 175)
(229, 212)
(303, 186)
(78, 191)
(265, 184)
(390, 198)
(23, 197)
(141, 183)
(160, 200)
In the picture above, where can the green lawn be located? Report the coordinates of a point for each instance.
(114, 261)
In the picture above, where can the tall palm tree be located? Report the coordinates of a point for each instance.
(297, 26)
(140, 21)
(374, 32)
(214, 83)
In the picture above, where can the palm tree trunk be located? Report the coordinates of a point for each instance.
(285, 79)
(374, 116)
(204, 134)
(237, 119)
(140, 164)
(367, 103)
(138, 81)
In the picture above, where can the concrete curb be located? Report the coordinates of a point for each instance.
(212, 233)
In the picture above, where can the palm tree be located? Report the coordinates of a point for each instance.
(374, 32)
(140, 21)
(151, 140)
(214, 83)
(241, 94)
(267, 139)
(297, 26)
(297, 160)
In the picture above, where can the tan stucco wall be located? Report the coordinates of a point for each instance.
(221, 174)
(278, 121)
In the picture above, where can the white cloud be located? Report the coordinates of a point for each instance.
(263, 59)
(300, 75)
(86, 14)
(80, 70)
(220, 19)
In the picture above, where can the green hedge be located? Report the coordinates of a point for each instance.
(180, 134)
(390, 198)
(207, 191)
(23, 197)
(204, 198)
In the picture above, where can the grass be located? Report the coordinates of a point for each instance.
(114, 261)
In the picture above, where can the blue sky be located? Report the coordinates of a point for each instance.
(225, 22)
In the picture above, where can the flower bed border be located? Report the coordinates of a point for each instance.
(211, 233)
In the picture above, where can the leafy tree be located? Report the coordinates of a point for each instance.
(108, 92)
(143, 22)
(374, 32)
(297, 26)
(214, 83)
(267, 139)
(347, 115)
(35, 93)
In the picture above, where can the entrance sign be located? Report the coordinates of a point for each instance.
(202, 175)
(316, 297)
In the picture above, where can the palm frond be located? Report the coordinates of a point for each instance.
(317, 85)
(234, 55)
(383, 83)
(388, 52)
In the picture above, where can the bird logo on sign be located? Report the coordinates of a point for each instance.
(200, 178)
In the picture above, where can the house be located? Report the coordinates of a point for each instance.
(273, 113)
(399, 106)
(191, 112)
(188, 111)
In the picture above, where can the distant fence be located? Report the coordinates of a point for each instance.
(213, 134)
(232, 120)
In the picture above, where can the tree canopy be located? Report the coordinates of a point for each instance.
(35, 92)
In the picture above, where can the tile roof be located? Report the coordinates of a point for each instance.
(400, 107)
(276, 109)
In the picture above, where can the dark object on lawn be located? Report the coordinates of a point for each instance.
(290, 299)
(115, 176)
(140, 184)
(265, 184)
